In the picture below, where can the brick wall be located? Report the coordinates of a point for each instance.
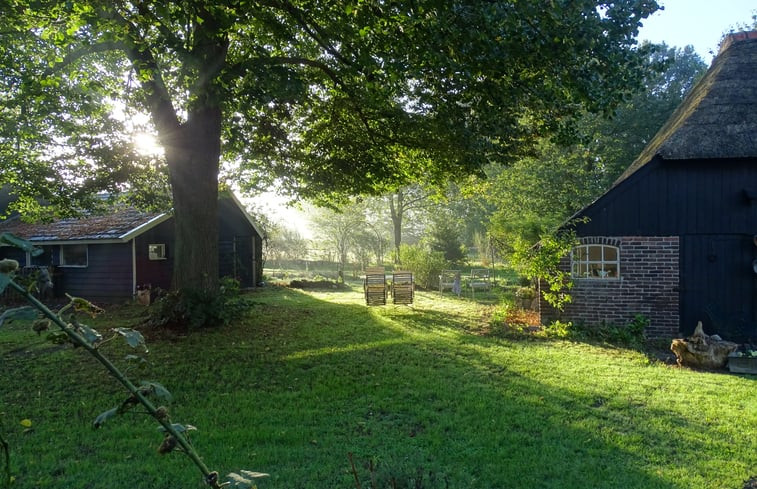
(648, 285)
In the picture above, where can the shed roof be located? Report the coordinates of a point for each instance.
(113, 226)
(718, 119)
(121, 225)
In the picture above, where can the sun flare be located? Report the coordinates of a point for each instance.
(147, 144)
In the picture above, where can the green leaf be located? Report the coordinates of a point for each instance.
(89, 334)
(8, 266)
(133, 337)
(245, 480)
(254, 475)
(5, 279)
(103, 417)
(180, 428)
(157, 389)
(21, 313)
(25, 245)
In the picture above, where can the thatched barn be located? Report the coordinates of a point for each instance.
(675, 238)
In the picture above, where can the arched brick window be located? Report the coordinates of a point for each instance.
(600, 261)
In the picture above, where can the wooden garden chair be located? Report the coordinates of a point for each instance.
(479, 279)
(374, 286)
(449, 279)
(403, 288)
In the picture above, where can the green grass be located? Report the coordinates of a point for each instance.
(419, 393)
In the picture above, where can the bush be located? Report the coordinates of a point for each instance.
(629, 335)
(192, 309)
(425, 264)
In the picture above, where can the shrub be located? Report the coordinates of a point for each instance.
(425, 264)
(192, 309)
(630, 335)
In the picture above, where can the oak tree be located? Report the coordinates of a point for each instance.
(319, 97)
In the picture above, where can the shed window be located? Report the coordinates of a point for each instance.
(156, 251)
(595, 261)
(74, 255)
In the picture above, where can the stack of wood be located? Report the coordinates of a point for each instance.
(702, 351)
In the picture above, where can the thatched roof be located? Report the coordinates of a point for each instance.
(718, 119)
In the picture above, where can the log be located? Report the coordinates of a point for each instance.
(701, 350)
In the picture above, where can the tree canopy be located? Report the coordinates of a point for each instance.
(538, 193)
(324, 98)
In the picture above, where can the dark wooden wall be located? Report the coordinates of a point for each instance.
(156, 273)
(677, 198)
(707, 205)
(107, 277)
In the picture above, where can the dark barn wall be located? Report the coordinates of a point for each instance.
(156, 273)
(240, 246)
(705, 204)
(107, 276)
(677, 198)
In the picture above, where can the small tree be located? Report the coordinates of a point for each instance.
(542, 262)
(444, 236)
(425, 264)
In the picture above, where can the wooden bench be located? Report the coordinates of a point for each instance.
(374, 286)
(403, 288)
(449, 279)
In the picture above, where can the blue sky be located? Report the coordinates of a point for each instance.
(700, 23)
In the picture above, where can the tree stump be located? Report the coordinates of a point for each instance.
(702, 351)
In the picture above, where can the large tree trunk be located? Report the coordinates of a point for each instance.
(193, 163)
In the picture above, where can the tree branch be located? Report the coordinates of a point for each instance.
(167, 33)
(316, 32)
(158, 98)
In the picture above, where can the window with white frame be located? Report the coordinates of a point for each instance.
(74, 255)
(156, 251)
(595, 261)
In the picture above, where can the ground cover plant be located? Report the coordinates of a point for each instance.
(420, 397)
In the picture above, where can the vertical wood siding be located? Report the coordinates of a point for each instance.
(704, 204)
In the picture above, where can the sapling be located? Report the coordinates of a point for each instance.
(175, 435)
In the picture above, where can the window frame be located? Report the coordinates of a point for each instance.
(584, 263)
(156, 256)
(63, 262)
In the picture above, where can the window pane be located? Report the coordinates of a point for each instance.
(44, 259)
(595, 253)
(156, 251)
(611, 253)
(579, 253)
(73, 255)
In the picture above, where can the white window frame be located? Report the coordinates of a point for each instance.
(158, 253)
(586, 263)
(62, 255)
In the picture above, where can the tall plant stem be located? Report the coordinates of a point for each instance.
(78, 339)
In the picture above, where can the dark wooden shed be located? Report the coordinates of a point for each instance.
(675, 238)
(107, 257)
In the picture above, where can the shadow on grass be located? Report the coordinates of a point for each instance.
(304, 381)
(428, 404)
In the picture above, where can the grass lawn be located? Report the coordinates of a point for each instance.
(420, 396)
